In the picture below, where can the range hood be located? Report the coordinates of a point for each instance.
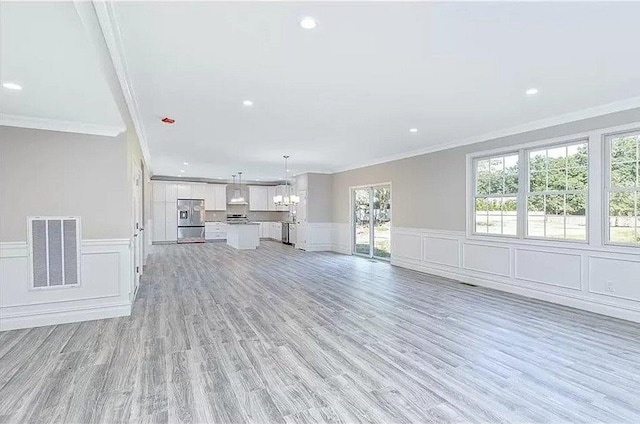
(237, 199)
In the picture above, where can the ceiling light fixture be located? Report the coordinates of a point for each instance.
(182, 170)
(413, 130)
(308, 23)
(12, 86)
(532, 92)
(247, 102)
(185, 163)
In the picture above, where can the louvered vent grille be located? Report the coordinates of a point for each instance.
(55, 251)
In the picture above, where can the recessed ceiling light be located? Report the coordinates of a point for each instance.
(532, 92)
(413, 130)
(182, 170)
(248, 103)
(185, 163)
(308, 23)
(12, 86)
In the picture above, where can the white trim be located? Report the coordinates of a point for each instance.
(588, 296)
(607, 189)
(592, 305)
(104, 292)
(49, 124)
(593, 112)
(596, 215)
(44, 318)
(106, 15)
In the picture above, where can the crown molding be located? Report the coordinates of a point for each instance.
(108, 22)
(49, 124)
(593, 112)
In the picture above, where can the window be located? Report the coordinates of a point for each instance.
(623, 188)
(557, 192)
(496, 195)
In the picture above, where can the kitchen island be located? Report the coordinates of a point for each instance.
(243, 235)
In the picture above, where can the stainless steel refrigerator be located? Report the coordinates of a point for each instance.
(190, 221)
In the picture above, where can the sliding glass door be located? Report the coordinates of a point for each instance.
(372, 221)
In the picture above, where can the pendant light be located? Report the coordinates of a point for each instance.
(237, 198)
(240, 196)
(286, 199)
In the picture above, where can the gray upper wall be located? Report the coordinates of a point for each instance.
(428, 191)
(319, 197)
(52, 173)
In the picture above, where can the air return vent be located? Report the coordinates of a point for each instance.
(54, 251)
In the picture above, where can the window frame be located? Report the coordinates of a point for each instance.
(607, 190)
(474, 195)
(547, 146)
(523, 184)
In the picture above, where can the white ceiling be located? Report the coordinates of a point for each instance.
(347, 92)
(44, 48)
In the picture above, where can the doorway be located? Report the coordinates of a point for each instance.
(371, 208)
(138, 230)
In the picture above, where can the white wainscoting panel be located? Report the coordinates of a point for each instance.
(441, 251)
(558, 269)
(317, 236)
(615, 277)
(105, 282)
(341, 238)
(483, 258)
(407, 245)
(597, 279)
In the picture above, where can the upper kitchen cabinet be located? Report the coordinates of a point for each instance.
(271, 193)
(259, 198)
(164, 191)
(184, 191)
(215, 197)
(171, 192)
(199, 191)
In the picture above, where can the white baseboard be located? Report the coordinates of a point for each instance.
(64, 316)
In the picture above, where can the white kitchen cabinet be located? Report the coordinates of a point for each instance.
(276, 231)
(184, 191)
(171, 192)
(293, 234)
(215, 230)
(215, 197)
(159, 219)
(258, 198)
(209, 198)
(271, 192)
(158, 191)
(220, 193)
(171, 221)
(198, 191)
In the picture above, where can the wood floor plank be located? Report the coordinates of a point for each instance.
(278, 335)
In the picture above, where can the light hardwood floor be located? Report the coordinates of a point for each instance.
(279, 335)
